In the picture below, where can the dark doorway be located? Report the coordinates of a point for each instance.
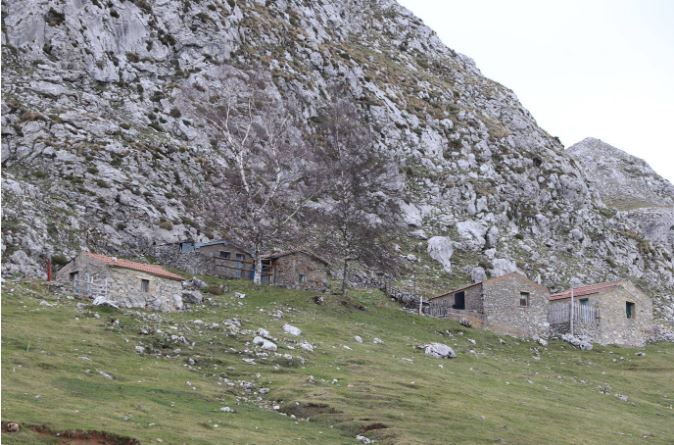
(459, 300)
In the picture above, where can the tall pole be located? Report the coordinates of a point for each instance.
(572, 310)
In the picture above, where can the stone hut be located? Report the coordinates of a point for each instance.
(614, 312)
(121, 282)
(296, 269)
(510, 304)
(220, 258)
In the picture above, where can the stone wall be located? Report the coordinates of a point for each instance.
(229, 268)
(85, 266)
(472, 298)
(503, 312)
(615, 327)
(205, 261)
(124, 288)
(286, 272)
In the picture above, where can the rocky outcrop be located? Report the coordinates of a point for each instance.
(628, 184)
(99, 151)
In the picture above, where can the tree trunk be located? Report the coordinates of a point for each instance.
(345, 269)
(257, 276)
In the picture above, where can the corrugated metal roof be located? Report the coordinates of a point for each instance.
(586, 290)
(152, 269)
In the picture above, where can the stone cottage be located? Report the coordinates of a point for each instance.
(296, 269)
(615, 312)
(220, 258)
(510, 304)
(122, 282)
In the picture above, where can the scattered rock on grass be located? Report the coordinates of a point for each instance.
(358, 339)
(362, 439)
(12, 427)
(103, 301)
(579, 342)
(194, 283)
(192, 297)
(307, 346)
(226, 409)
(264, 343)
(265, 334)
(377, 341)
(439, 350)
(292, 330)
(106, 375)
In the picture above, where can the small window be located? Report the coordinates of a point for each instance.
(524, 299)
(224, 254)
(459, 301)
(302, 278)
(630, 309)
(74, 276)
(584, 301)
(145, 285)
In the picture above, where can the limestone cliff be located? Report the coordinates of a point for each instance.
(627, 184)
(97, 151)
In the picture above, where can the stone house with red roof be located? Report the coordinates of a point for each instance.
(614, 312)
(510, 304)
(122, 282)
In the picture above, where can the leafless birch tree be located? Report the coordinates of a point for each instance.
(265, 180)
(359, 208)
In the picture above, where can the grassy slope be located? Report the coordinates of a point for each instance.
(499, 394)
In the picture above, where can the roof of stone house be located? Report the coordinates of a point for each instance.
(586, 290)
(152, 269)
(489, 281)
(276, 255)
(223, 241)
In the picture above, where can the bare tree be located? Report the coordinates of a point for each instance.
(265, 178)
(359, 207)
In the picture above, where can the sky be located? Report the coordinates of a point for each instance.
(583, 68)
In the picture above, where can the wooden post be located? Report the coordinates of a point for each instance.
(421, 305)
(49, 269)
(571, 321)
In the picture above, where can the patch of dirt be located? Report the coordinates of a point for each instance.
(373, 426)
(308, 410)
(351, 304)
(77, 437)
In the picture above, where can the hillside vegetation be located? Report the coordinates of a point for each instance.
(165, 377)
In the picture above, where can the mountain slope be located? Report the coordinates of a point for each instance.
(166, 376)
(98, 151)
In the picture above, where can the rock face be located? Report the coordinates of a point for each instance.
(627, 184)
(99, 151)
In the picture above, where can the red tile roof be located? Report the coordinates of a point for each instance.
(152, 269)
(586, 290)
